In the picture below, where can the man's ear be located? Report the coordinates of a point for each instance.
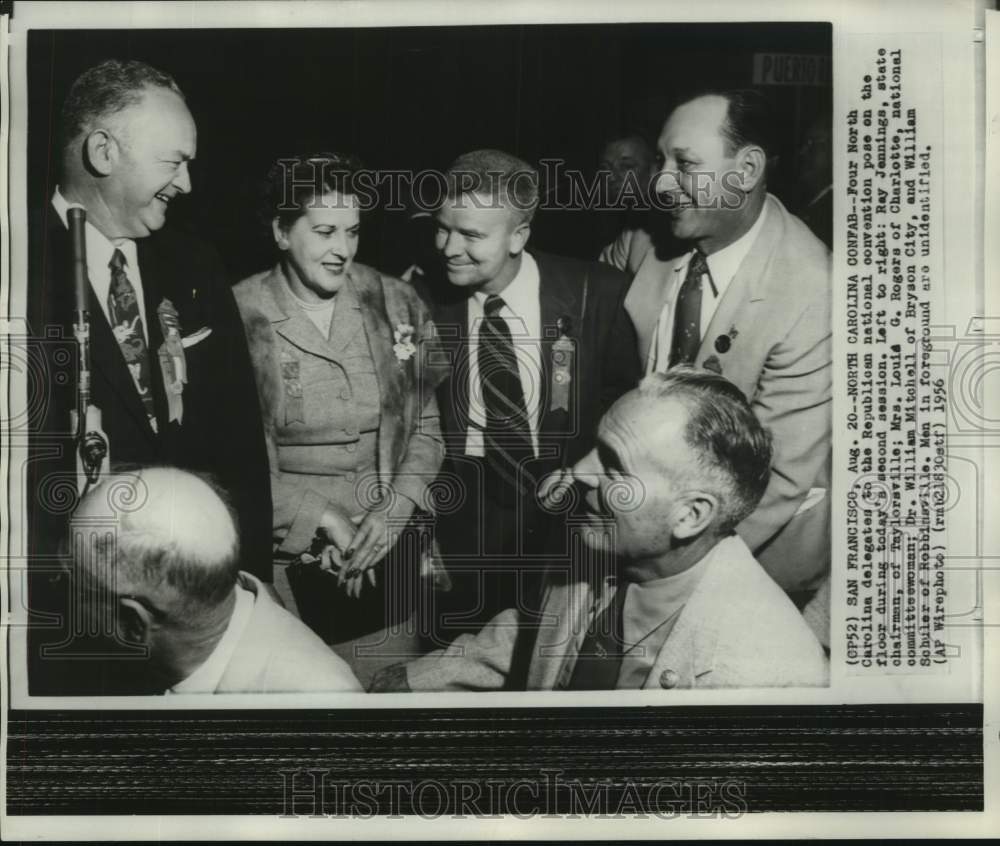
(135, 621)
(101, 151)
(519, 238)
(752, 163)
(695, 515)
(280, 236)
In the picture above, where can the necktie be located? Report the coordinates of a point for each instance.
(507, 437)
(126, 323)
(687, 313)
(600, 658)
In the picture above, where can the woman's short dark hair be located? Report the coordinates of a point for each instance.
(294, 183)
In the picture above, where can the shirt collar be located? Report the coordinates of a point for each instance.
(521, 294)
(652, 602)
(99, 248)
(724, 263)
(206, 678)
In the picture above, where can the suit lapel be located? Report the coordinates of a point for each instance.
(452, 321)
(744, 289)
(347, 319)
(690, 647)
(155, 288)
(389, 371)
(292, 324)
(108, 364)
(107, 361)
(561, 298)
(562, 629)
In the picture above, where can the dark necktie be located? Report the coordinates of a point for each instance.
(687, 313)
(600, 658)
(507, 437)
(126, 323)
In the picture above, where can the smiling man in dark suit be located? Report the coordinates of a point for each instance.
(170, 370)
(539, 347)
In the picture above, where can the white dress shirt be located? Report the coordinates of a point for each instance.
(206, 678)
(722, 266)
(523, 313)
(99, 252)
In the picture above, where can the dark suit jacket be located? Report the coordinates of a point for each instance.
(605, 361)
(220, 433)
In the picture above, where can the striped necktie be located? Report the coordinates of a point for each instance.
(507, 437)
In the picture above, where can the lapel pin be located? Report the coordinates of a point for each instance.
(722, 344)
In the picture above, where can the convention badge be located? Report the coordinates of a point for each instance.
(562, 366)
(173, 365)
(294, 407)
(725, 342)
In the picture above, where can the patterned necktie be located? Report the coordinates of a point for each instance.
(687, 313)
(126, 323)
(600, 658)
(507, 437)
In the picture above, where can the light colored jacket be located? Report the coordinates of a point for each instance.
(409, 444)
(737, 630)
(771, 336)
(278, 653)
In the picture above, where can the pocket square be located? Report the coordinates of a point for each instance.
(196, 337)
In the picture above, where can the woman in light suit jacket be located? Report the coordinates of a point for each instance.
(340, 353)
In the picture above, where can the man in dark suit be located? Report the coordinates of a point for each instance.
(170, 371)
(538, 347)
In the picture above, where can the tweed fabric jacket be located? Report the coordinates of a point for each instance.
(408, 448)
(737, 629)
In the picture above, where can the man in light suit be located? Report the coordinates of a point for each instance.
(538, 347)
(170, 371)
(750, 300)
(158, 552)
(662, 594)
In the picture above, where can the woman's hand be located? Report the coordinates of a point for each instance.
(336, 527)
(377, 531)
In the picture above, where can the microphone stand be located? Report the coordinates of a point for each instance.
(85, 420)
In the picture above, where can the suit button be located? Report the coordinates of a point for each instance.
(348, 430)
(349, 477)
(669, 679)
(350, 447)
(345, 394)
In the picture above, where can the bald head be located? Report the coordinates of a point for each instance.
(175, 539)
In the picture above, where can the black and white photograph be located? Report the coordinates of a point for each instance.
(417, 416)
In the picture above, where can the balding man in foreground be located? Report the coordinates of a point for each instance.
(662, 594)
(158, 551)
